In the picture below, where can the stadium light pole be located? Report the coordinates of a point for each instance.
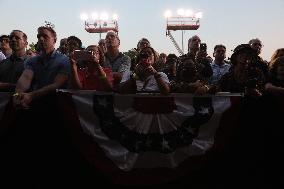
(100, 23)
(184, 20)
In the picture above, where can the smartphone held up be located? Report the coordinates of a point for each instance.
(82, 55)
(203, 47)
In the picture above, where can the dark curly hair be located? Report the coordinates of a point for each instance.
(74, 38)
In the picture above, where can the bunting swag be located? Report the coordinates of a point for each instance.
(150, 130)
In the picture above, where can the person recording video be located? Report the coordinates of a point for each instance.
(145, 77)
(93, 76)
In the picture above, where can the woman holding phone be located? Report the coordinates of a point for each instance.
(93, 76)
(145, 77)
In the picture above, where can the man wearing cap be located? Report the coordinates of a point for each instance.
(118, 62)
(5, 46)
(12, 67)
(244, 76)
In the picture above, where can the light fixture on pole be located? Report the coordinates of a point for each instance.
(184, 20)
(100, 23)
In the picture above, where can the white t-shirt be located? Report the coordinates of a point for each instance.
(2, 56)
(151, 83)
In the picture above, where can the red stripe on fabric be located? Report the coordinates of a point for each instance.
(136, 177)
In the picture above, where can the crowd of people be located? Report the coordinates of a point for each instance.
(103, 67)
(32, 75)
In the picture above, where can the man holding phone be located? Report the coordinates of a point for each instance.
(93, 76)
(197, 52)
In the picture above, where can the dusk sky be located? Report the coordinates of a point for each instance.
(224, 21)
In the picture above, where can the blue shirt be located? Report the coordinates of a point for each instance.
(46, 69)
(120, 64)
(218, 71)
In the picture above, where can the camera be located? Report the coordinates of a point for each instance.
(203, 47)
(82, 55)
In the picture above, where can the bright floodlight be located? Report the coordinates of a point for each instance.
(188, 13)
(115, 17)
(84, 16)
(95, 16)
(199, 15)
(104, 16)
(180, 12)
(168, 14)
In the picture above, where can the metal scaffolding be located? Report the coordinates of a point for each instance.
(182, 23)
